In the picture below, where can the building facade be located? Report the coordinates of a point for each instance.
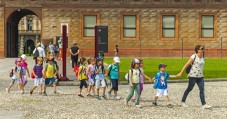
(140, 28)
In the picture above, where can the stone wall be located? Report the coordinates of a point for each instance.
(1, 32)
(149, 44)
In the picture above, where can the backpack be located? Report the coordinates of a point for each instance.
(127, 75)
(36, 54)
(83, 73)
(188, 69)
(12, 72)
(76, 70)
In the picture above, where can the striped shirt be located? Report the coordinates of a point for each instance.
(38, 70)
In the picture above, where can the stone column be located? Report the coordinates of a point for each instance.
(22, 44)
(25, 23)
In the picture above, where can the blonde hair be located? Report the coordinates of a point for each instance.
(39, 59)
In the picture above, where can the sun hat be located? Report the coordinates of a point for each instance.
(136, 61)
(24, 57)
(17, 60)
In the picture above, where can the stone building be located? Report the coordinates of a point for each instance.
(29, 31)
(146, 28)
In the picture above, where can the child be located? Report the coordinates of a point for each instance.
(91, 73)
(82, 76)
(24, 67)
(50, 75)
(134, 81)
(37, 72)
(99, 78)
(162, 89)
(113, 71)
(141, 81)
(16, 74)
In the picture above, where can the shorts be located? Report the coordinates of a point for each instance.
(47, 80)
(91, 82)
(23, 79)
(114, 84)
(98, 83)
(13, 81)
(38, 81)
(162, 92)
(83, 83)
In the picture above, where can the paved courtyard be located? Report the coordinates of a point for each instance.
(68, 105)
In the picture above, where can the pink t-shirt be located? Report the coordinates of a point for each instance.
(24, 66)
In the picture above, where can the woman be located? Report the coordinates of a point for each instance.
(195, 75)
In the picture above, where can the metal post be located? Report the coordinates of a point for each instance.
(182, 52)
(64, 47)
(221, 47)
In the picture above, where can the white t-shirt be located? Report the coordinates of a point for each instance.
(197, 67)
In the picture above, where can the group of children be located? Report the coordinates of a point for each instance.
(91, 74)
(18, 74)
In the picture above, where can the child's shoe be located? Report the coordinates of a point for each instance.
(117, 97)
(7, 90)
(139, 106)
(104, 96)
(98, 98)
(108, 94)
(170, 106)
(31, 92)
(155, 103)
(45, 93)
(80, 95)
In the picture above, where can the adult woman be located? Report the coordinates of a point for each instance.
(195, 75)
(41, 52)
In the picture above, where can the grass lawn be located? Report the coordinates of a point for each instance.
(214, 68)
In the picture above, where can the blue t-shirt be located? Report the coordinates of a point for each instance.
(100, 75)
(38, 70)
(162, 77)
(114, 71)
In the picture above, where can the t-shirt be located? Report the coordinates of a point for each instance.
(135, 75)
(114, 71)
(23, 66)
(162, 77)
(91, 71)
(197, 67)
(18, 71)
(50, 70)
(82, 72)
(38, 70)
(100, 75)
(74, 49)
(51, 48)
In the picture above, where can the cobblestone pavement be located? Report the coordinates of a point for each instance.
(67, 105)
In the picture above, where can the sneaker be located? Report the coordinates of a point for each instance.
(155, 103)
(22, 92)
(55, 92)
(7, 90)
(133, 100)
(40, 93)
(170, 106)
(206, 106)
(80, 95)
(184, 105)
(45, 93)
(88, 95)
(31, 92)
(126, 102)
(109, 94)
(98, 98)
(104, 96)
(117, 98)
(139, 106)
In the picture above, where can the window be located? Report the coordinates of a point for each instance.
(169, 27)
(207, 28)
(129, 27)
(89, 21)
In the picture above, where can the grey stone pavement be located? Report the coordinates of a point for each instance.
(67, 105)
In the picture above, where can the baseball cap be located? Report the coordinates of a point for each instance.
(17, 60)
(161, 65)
(98, 59)
(117, 60)
(136, 61)
(23, 56)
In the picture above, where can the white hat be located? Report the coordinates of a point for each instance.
(23, 56)
(117, 60)
(136, 61)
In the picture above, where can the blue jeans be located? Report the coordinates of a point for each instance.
(191, 84)
(136, 88)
